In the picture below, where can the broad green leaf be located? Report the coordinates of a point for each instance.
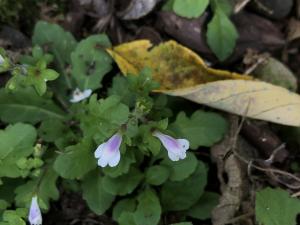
(221, 35)
(52, 129)
(181, 169)
(201, 129)
(225, 5)
(59, 42)
(127, 218)
(16, 142)
(181, 195)
(13, 218)
(148, 209)
(124, 205)
(45, 189)
(102, 118)
(123, 166)
(276, 207)
(90, 62)
(203, 208)
(190, 8)
(182, 223)
(76, 161)
(124, 184)
(157, 175)
(93, 192)
(27, 106)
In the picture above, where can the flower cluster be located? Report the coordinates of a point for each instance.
(108, 153)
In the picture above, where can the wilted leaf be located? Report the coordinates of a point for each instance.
(183, 73)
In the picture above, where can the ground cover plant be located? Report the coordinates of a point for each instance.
(109, 115)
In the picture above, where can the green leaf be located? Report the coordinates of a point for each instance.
(124, 184)
(59, 42)
(93, 192)
(148, 210)
(201, 129)
(181, 195)
(182, 223)
(13, 218)
(45, 189)
(190, 8)
(16, 142)
(127, 218)
(276, 207)
(27, 106)
(157, 175)
(123, 166)
(103, 117)
(221, 35)
(52, 129)
(202, 210)
(125, 205)
(90, 62)
(181, 169)
(76, 161)
(225, 5)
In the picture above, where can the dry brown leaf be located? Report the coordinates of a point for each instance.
(181, 72)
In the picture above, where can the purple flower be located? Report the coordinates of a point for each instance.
(108, 153)
(35, 215)
(176, 147)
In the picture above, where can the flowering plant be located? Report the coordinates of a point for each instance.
(125, 150)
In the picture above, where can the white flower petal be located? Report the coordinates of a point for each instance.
(172, 156)
(35, 216)
(1, 60)
(103, 161)
(115, 159)
(99, 151)
(184, 144)
(78, 95)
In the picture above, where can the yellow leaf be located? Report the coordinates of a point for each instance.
(173, 65)
(181, 72)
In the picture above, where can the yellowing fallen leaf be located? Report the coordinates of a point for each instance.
(173, 65)
(181, 72)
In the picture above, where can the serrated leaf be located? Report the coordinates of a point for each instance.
(148, 209)
(190, 8)
(45, 189)
(13, 218)
(203, 208)
(93, 192)
(27, 106)
(181, 169)
(90, 62)
(201, 129)
(221, 35)
(16, 142)
(103, 117)
(276, 207)
(52, 129)
(124, 184)
(157, 174)
(76, 161)
(181, 195)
